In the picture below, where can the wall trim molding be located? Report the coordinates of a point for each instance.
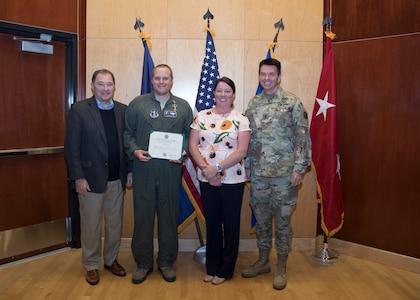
(380, 256)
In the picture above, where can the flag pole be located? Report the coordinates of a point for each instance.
(325, 254)
(199, 254)
(279, 25)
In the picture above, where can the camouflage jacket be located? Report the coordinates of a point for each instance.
(280, 141)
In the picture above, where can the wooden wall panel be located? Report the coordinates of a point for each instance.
(372, 18)
(58, 15)
(82, 48)
(244, 29)
(378, 101)
(379, 117)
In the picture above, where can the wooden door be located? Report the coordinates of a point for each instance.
(34, 99)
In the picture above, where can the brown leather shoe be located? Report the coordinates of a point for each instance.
(116, 268)
(92, 277)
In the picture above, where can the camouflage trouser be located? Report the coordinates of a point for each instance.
(268, 197)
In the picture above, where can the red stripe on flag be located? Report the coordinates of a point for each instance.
(192, 188)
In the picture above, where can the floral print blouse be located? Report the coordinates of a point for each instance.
(218, 135)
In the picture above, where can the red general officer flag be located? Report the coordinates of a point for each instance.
(325, 154)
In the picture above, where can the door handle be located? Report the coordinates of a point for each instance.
(32, 151)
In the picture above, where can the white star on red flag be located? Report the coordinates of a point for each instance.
(324, 105)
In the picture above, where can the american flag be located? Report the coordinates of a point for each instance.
(205, 100)
(209, 74)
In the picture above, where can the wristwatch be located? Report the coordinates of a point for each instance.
(219, 169)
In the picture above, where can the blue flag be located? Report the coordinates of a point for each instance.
(148, 65)
(187, 212)
(260, 89)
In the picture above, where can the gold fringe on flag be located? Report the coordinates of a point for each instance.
(147, 38)
(271, 46)
(212, 32)
(331, 35)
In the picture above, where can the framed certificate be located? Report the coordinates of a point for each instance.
(166, 145)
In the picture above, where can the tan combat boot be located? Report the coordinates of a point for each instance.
(280, 279)
(261, 266)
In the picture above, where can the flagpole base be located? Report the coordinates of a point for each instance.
(200, 255)
(325, 254)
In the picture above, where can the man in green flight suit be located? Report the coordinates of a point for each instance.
(156, 181)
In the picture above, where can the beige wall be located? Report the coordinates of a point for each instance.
(244, 28)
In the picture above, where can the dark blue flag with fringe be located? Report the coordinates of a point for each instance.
(148, 65)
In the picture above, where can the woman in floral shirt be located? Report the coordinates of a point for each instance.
(218, 144)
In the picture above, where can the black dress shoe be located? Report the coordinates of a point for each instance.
(92, 277)
(116, 268)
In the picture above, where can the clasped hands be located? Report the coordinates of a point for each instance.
(210, 173)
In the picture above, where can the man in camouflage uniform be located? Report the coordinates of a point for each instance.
(279, 153)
